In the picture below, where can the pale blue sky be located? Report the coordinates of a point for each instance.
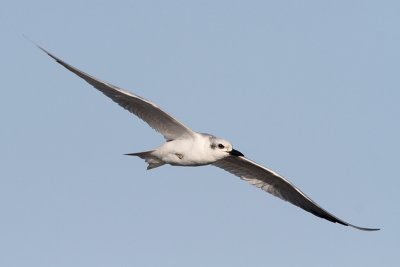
(310, 89)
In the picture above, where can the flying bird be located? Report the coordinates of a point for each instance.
(185, 147)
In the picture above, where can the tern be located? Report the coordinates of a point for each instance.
(185, 147)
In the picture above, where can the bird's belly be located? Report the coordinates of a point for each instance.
(184, 153)
(182, 159)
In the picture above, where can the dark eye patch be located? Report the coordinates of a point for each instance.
(221, 146)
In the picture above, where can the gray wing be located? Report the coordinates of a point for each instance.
(278, 186)
(154, 116)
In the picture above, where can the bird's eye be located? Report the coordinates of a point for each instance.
(221, 146)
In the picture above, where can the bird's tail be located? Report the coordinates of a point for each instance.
(148, 156)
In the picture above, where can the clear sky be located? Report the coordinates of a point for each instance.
(310, 89)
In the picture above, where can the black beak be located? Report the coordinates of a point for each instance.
(236, 153)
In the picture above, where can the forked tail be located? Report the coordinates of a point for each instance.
(153, 161)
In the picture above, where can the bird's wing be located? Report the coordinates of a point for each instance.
(277, 185)
(154, 116)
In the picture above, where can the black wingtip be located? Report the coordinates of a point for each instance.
(364, 229)
(357, 227)
(44, 50)
(36, 44)
(51, 55)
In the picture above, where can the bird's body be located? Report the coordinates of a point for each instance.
(185, 147)
(197, 150)
(187, 152)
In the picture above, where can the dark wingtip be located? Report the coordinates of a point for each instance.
(358, 227)
(37, 45)
(365, 229)
(44, 50)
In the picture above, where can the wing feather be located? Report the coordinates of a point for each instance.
(149, 112)
(277, 185)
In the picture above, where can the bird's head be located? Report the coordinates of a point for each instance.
(222, 148)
